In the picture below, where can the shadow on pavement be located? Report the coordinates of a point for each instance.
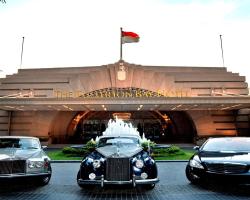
(114, 190)
(10, 186)
(226, 188)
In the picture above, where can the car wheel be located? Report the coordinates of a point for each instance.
(43, 180)
(149, 186)
(194, 179)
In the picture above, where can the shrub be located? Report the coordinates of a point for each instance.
(173, 149)
(69, 150)
(147, 143)
(74, 152)
(90, 145)
(88, 148)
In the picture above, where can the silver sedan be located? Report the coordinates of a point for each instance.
(23, 157)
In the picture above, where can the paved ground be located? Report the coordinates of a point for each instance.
(173, 185)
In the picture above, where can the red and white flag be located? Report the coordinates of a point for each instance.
(129, 37)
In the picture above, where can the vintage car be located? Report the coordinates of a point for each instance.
(221, 159)
(118, 160)
(23, 157)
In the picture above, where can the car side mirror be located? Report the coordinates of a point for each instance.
(44, 147)
(197, 148)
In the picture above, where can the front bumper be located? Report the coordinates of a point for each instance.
(23, 175)
(241, 178)
(103, 182)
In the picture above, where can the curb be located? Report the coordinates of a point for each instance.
(79, 161)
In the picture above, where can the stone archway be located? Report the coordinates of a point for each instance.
(184, 129)
(162, 127)
(58, 131)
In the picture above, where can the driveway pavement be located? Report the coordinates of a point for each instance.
(173, 185)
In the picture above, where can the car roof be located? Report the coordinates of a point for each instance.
(233, 139)
(225, 138)
(19, 137)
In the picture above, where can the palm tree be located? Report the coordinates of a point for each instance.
(3, 1)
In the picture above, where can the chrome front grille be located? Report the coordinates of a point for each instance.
(117, 169)
(227, 168)
(12, 166)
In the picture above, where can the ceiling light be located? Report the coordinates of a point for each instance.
(9, 107)
(124, 116)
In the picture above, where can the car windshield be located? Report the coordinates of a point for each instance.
(118, 141)
(24, 143)
(227, 145)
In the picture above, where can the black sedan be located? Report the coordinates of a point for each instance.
(221, 159)
(118, 160)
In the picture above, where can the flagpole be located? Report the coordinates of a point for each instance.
(21, 62)
(222, 54)
(121, 45)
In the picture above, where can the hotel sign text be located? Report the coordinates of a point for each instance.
(121, 93)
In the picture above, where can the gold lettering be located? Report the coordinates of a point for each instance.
(115, 94)
(105, 94)
(108, 94)
(122, 94)
(145, 94)
(138, 93)
(98, 94)
(150, 93)
(128, 94)
(160, 93)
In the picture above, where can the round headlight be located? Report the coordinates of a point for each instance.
(39, 164)
(35, 164)
(139, 164)
(92, 176)
(31, 164)
(96, 163)
(144, 175)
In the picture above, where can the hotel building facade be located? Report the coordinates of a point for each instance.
(166, 103)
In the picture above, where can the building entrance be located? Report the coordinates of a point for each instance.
(161, 127)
